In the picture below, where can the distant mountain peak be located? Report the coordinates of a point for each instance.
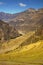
(31, 10)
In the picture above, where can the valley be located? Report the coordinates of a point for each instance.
(21, 38)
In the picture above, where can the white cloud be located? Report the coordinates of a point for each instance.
(22, 4)
(1, 3)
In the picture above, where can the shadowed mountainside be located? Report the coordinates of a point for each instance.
(7, 32)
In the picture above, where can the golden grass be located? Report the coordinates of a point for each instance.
(32, 53)
(14, 43)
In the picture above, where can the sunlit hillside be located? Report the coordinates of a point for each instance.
(14, 43)
(20, 51)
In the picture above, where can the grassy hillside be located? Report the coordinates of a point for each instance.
(24, 53)
(31, 54)
(14, 43)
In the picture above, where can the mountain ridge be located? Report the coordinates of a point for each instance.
(7, 16)
(27, 20)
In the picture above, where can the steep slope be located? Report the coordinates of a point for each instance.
(28, 20)
(7, 32)
(26, 49)
(13, 44)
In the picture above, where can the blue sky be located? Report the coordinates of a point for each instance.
(15, 6)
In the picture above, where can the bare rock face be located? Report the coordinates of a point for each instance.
(7, 32)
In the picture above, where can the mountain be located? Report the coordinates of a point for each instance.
(7, 16)
(28, 20)
(21, 41)
(7, 32)
(28, 48)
